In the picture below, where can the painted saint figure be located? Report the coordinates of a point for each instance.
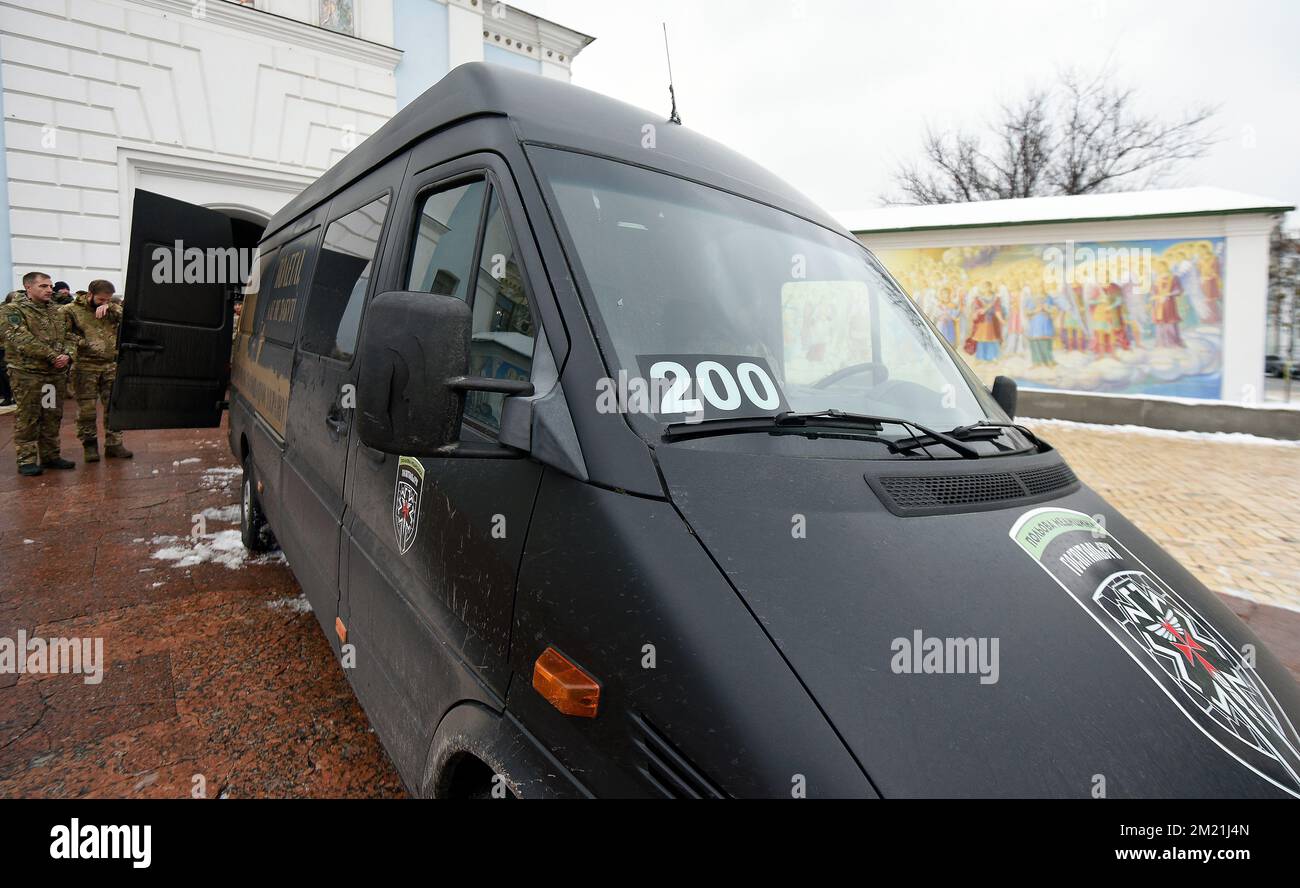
(1042, 330)
(986, 329)
(1106, 314)
(948, 316)
(1015, 341)
(1212, 287)
(1164, 307)
(1072, 330)
(1123, 335)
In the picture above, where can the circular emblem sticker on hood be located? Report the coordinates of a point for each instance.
(1205, 676)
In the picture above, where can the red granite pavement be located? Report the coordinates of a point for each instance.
(215, 678)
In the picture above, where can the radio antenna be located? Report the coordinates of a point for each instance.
(674, 117)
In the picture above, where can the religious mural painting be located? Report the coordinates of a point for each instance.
(1122, 317)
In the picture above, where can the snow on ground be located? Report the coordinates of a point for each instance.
(226, 514)
(223, 547)
(185, 462)
(299, 605)
(1216, 437)
(220, 477)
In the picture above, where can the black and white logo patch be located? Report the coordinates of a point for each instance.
(406, 501)
(1184, 654)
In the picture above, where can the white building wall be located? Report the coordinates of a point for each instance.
(464, 33)
(1245, 308)
(217, 104)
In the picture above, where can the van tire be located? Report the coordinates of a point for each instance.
(253, 529)
(469, 777)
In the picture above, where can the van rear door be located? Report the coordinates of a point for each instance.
(173, 360)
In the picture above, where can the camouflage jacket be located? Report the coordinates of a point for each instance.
(95, 339)
(14, 296)
(33, 335)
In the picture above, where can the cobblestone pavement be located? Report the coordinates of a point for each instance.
(221, 671)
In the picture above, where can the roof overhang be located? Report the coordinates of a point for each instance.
(1079, 209)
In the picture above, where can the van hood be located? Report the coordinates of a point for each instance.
(1045, 648)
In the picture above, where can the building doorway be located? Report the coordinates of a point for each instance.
(246, 225)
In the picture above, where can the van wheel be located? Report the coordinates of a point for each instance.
(253, 529)
(472, 778)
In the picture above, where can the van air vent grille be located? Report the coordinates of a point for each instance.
(972, 491)
(666, 769)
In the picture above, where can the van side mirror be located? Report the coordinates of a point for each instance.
(1004, 392)
(412, 377)
(411, 343)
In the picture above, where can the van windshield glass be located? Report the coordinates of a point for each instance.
(731, 295)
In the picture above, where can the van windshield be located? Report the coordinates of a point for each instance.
(757, 310)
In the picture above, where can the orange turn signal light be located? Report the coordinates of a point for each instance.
(340, 630)
(564, 685)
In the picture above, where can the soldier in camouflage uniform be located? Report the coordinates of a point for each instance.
(63, 297)
(38, 359)
(7, 404)
(92, 323)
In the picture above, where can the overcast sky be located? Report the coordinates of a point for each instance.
(832, 95)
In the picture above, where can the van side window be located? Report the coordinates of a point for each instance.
(442, 253)
(261, 263)
(277, 308)
(339, 284)
(501, 346)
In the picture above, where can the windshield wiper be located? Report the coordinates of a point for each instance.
(810, 423)
(780, 422)
(969, 432)
(979, 431)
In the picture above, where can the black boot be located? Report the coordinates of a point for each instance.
(90, 448)
(30, 469)
(117, 451)
(58, 463)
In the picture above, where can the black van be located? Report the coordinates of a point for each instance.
(612, 466)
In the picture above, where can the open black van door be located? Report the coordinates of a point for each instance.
(173, 359)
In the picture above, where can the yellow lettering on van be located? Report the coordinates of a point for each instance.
(290, 269)
(267, 390)
(282, 310)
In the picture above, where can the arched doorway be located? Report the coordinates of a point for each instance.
(246, 227)
(246, 224)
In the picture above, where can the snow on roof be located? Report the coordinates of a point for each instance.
(1062, 208)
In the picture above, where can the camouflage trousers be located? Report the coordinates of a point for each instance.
(39, 397)
(92, 385)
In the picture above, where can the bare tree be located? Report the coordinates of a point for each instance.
(1083, 136)
(1283, 291)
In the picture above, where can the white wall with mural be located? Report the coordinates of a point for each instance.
(1167, 307)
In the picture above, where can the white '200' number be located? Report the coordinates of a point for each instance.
(716, 384)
